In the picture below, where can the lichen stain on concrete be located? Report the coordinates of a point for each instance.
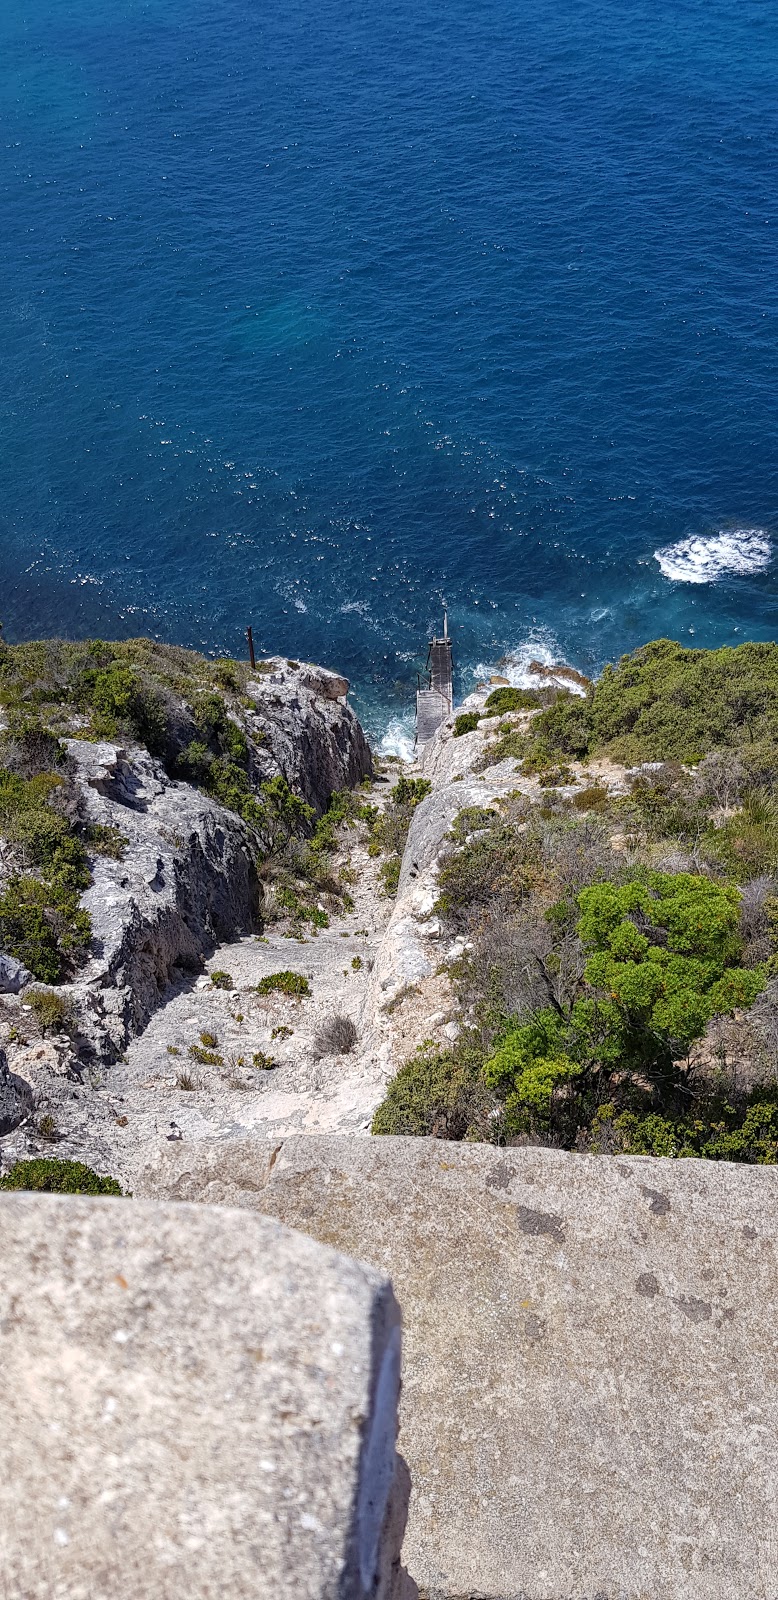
(660, 1204)
(501, 1176)
(647, 1285)
(696, 1310)
(540, 1222)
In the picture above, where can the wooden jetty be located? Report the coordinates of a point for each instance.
(435, 700)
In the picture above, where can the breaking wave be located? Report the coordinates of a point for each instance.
(706, 557)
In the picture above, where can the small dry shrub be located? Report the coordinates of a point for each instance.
(52, 1011)
(335, 1037)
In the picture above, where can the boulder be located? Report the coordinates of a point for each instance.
(194, 1403)
(590, 1381)
(13, 975)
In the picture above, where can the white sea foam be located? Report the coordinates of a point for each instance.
(706, 557)
(398, 738)
(540, 647)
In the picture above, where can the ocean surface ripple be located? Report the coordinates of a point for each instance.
(320, 316)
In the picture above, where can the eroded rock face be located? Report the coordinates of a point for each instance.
(16, 1099)
(302, 728)
(590, 1399)
(186, 880)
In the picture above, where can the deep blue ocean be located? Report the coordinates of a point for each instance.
(320, 314)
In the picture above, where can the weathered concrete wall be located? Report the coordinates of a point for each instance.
(194, 1403)
(590, 1390)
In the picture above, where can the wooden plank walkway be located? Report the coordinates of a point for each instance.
(433, 704)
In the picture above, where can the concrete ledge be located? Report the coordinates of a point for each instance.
(194, 1404)
(590, 1381)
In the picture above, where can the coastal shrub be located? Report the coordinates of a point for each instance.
(438, 1094)
(724, 1132)
(389, 874)
(466, 722)
(53, 1012)
(262, 1062)
(49, 1176)
(289, 983)
(511, 746)
(43, 926)
(746, 844)
(389, 828)
(205, 1056)
(469, 821)
(104, 840)
(663, 960)
(664, 702)
(594, 798)
(336, 1036)
(506, 699)
(494, 862)
(140, 688)
(222, 980)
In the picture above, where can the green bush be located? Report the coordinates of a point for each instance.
(205, 1056)
(510, 747)
(438, 1094)
(502, 701)
(747, 843)
(389, 874)
(593, 798)
(495, 862)
(290, 983)
(53, 1011)
(664, 702)
(730, 1133)
(410, 791)
(41, 920)
(222, 980)
(50, 1176)
(466, 722)
(42, 925)
(663, 960)
(389, 829)
(104, 840)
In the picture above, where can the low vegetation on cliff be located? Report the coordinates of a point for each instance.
(195, 716)
(620, 984)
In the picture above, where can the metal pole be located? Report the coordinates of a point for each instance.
(252, 658)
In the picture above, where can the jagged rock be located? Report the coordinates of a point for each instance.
(302, 728)
(186, 879)
(589, 1391)
(13, 975)
(15, 1098)
(194, 1403)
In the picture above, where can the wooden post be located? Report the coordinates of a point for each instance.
(252, 658)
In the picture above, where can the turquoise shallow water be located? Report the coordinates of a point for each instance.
(318, 315)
